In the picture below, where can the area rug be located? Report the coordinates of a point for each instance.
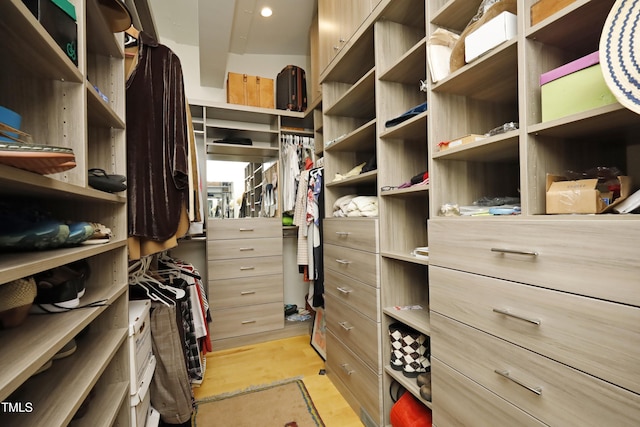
(283, 404)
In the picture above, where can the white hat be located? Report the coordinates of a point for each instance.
(620, 53)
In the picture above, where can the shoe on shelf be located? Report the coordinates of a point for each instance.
(101, 234)
(16, 298)
(81, 267)
(79, 232)
(66, 351)
(57, 290)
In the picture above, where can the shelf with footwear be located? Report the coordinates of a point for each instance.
(60, 106)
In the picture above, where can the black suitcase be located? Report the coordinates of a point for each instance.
(291, 89)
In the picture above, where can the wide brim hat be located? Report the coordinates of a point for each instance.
(620, 53)
(117, 14)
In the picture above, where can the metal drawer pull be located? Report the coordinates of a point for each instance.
(343, 233)
(536, 390)
(516, 316)
(514, 251)
(246, 322)
(246, 229)
(247, 292)
(345, 326)
(343, 290)
(343, 261)
(346, 369)
(247, 268)
(246, 249)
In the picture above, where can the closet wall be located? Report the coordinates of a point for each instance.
(533, 323)
(518, 308)
(60, 106)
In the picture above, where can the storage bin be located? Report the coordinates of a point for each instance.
(249, 90)
(574, 87)
(58, 17)
(140, 352)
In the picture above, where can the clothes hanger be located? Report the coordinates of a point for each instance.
(138, 275)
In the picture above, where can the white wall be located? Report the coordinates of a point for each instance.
(257, 65)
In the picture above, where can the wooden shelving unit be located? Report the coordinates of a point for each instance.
(470, 264)
(59, 106)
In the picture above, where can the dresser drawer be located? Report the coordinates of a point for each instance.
(550, 391)
(240, 321)
(357, 295)
(356, 331)
(245, 291)
(462, 402)
(355, 375)
(245, 267)
(559, 254)
(598, 337)
(356, 233)
(243, 228)
(243, 248)
(353, 263)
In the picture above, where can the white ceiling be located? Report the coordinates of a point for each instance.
(219, 27)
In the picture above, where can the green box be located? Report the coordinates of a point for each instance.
(578, 90)
(58, 17)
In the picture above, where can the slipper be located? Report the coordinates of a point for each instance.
(110, 183)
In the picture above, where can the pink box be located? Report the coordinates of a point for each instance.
(571, 67)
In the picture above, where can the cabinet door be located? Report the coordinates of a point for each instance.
(328, 28)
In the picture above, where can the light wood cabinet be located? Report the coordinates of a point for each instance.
(338, 21)
(546, 304)
(59, 106)
(245, 277)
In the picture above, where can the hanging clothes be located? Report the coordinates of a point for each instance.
(314, 214)
(157, 143)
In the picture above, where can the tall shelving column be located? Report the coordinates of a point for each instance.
(400, 46)
(59, 106)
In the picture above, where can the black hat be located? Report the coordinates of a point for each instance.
(116, 13)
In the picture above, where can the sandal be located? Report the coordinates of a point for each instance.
(100, 180)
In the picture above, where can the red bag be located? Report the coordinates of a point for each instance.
(409, 412)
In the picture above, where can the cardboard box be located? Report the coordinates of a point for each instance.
(140, 408)
(581, 196)
(545, 8)
(493, 33)
(58, 17)
(460, 141)
(574, 87)
(249, 90)
(141, 357)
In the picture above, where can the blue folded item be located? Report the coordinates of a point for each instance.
(10, 118)
(407, 115)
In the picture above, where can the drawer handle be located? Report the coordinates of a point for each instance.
(343, 233)
(346, 369)
(516, 316)
(514, 251)
(536, 390)
(343, 261)
(247, 268)
(247, 292)
(246, 229)
(246, 322)
(345, 326)
(245, 249)
(343, 290)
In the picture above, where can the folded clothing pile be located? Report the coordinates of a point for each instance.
(352, 205)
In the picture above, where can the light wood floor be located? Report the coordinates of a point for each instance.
(241, 367)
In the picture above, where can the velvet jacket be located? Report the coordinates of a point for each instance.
(157, 142)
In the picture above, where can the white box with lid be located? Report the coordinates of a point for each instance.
(141, 360)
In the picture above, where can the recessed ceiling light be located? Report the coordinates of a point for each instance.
(266, 12)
